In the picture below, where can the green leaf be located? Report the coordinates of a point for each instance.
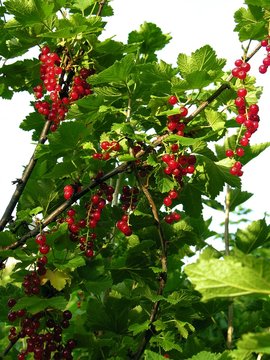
(149, 38)
(216, 278)
(254, 236)
(71, 264)
(82, 4)
(191, 200)
(30, 12)
(261, 3)
(7, 238)
(138, 328)
(126, 157)
(205, 355)
(164, 184)
(117, 73)
(35, 304)
(215, 119)
(150, 355)
(250, 24)
(213, 175)
(201, 68)
(255, 342)
(238, 197)
(251, 152)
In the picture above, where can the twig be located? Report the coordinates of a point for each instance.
(21, 183)
(101, 6)
(227, 253)
(162, 276)
(65, 205)
(9, 347)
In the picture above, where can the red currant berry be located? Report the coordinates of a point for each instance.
(44, 249)
(262, 69)
(167, 201)
(229, 153)
(173, 100)
(239, 101)
(238, 62)
(173, 194)
(183, 111)
(174, 147)
(240, 151)
(245, 67)
(242, 74)
(242, 92)
(244, 141)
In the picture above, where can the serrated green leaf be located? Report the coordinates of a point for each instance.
(255, 342)
(254, 236)
(216, 278)
(126, 157)
(30, 12)
(71, 264)
(164, 184)
(35, 304)
(138, 328)
(201, 68)
(261, 3)
(238, 197)
(205, 355)
(117, 73)
(150, 355)
(215, 119)
(191, 200)
(250, 23)
(7, 238)
(149, 38)
(82, 4)
(251, 152)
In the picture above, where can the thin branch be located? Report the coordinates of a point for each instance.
(9, 347)
(23, 181)
(65, 205)
(227, 253)
(162, 276)
(101, 6)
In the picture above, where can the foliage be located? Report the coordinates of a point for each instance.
(111, 204)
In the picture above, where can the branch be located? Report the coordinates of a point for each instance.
(23, 181)
(65, 205)
(162, 276)
(101, 6)
(9, 347)
(227, 253)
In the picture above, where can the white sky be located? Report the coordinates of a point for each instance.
(192, 24)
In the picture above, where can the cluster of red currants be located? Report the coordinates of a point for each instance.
(266, 61)
(31, 283)
(107, 147)
(62, 86)
(249, 119)
(129, 200)
(241, 69)
(70, 190)
(178, 166)
(175, 122)
(168, 201)
(42, 333)
(94, 210)
(41, 239)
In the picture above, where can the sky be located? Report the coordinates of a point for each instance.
(191, 24)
